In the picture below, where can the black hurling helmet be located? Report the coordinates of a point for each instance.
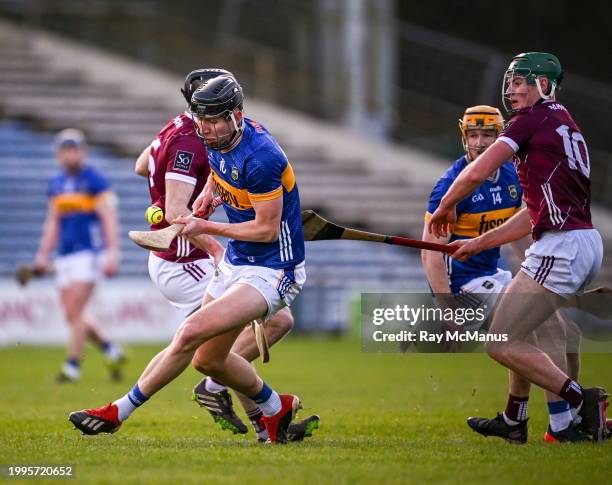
(219, 97)
(198, 77)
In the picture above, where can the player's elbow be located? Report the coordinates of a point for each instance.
(270, 233)
(476, 177)
(142, 171)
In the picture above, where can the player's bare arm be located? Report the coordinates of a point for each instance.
(106, 209)
(444, 218)
(264, 228)
(202, 206)
(433, 264)
(177, 198)
(48, 239)
(142, 163)
(178, 195)
(515, 228)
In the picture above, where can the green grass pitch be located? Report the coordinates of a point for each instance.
(385, 418)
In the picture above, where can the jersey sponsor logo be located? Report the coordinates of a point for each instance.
(183, 161)
(227, 196)
(237, 198)
(488, 224)
(475, 224)
(513, 191)
(234, 173)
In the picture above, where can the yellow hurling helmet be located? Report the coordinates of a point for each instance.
(481, 117)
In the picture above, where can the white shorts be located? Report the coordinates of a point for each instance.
(565, 262)
(278, 287)
(182, 284)
(80, 267)
(492, 284)
(483, 292)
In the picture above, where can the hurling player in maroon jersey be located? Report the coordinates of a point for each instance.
(176, 165)
(552, 160)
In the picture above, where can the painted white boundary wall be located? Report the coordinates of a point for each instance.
(128, 310)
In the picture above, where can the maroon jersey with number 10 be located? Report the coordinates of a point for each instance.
(552, 160)
(177, 154)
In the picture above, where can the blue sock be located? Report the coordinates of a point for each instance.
(106, 346)
(74, 362)
(263, 395)
(128, 403)
(268, 400)
(136, 397)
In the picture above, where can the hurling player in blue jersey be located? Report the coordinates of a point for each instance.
(489, 206)
(82, 222)
(262, 270)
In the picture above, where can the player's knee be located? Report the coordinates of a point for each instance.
(187, 339)
(496, 351)
(207, 364)
(284, 322)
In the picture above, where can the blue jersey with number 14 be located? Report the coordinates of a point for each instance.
(258, 170)
(490, 205)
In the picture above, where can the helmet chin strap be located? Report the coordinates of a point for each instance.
(467, 152)
(541, 93)
(237, 131)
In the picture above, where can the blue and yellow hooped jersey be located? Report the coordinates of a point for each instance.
(489, 206)
(258, 170)
(74, 197)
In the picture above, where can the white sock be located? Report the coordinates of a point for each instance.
(71, 371)
(271, 406)
(560, 421)
(214, 387)
(113, 353)
(128, 403)
(125, 407)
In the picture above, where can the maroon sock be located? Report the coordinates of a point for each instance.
(572, 393)
(516, 409)
(255, 416)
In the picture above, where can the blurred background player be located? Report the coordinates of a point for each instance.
(552, 160)
(479, 280)
(82, 222)
(176, 165)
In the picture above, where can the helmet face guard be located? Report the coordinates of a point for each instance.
(532, 66)
(480, 117)
(220, 97)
